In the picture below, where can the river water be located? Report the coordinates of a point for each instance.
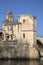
(21, 62)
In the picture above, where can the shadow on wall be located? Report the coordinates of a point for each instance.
(39, 43)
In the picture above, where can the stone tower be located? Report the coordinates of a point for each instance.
(28, 29)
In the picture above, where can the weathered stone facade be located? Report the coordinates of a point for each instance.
(23, 31)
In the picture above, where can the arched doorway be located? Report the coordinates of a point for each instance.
(1, 36)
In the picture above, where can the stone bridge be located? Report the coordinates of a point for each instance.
(40, 38)
(40, 44)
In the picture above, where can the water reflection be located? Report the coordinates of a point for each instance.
(20, 62)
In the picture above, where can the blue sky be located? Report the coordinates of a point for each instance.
(34, 7)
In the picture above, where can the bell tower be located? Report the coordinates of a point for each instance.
(10, 16)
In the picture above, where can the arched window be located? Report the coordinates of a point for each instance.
(23, 20)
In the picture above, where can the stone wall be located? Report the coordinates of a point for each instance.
(18, 51)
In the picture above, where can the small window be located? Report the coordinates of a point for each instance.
(23, 35)
(23, 20)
